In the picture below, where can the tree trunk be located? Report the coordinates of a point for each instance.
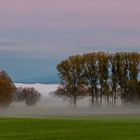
(112, 97)
(74, 101)
(97, 103)
(101, 94)
(92, 92)
(115, 96)
(108, 100)
(74, 97)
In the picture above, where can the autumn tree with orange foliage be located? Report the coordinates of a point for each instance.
(7, 89)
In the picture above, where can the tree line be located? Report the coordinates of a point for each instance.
(106, 77)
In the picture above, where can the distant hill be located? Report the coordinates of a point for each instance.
(53, 79)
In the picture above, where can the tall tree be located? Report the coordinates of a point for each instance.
(90, 69)
(103, 64)
(70, 72)
(115, 69)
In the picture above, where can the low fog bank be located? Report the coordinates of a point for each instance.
(42, 111)
(54, 106)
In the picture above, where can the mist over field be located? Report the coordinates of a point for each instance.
(35, 38)
(54, 106)
(69, 70)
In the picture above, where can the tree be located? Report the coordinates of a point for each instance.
(103, 64)
(7, 89)
(70, 73)
(115, 71)
(122, 71)
(133, 68)
(103, 75)
(90, 74)
(29, 95)
(133, 91)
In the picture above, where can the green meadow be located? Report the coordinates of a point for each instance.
(69, 129)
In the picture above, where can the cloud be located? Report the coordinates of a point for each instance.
(12, 46)
(7, 42)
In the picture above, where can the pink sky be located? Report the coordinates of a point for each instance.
(111, 23)
(36, 34)
(70, 14)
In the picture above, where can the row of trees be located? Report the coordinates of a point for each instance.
(10, 93)
(28, 95)
(105, 77)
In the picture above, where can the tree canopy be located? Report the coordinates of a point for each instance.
(107, 77)
(7, 89)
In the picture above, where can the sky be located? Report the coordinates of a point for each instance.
(35, 35)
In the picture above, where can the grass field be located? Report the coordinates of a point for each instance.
(69, 129)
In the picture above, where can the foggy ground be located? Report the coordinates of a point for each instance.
(51, 106)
